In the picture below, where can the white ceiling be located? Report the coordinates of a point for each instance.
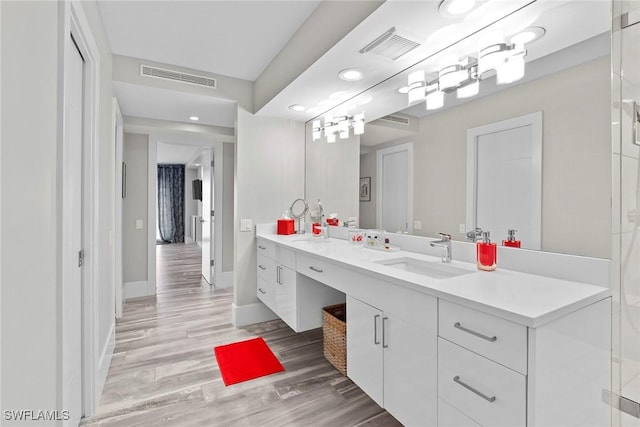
(240, 38)
(177, 154)
(233, 38)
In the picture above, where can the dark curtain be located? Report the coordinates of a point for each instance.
(171, 203)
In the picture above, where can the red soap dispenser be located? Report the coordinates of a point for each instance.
(511, 239)
(487, 253)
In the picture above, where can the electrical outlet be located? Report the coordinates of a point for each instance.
(246, 225)
(139, 224)
(417, 225)
(462, 228)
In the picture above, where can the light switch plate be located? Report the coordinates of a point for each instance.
(246, 225)
(139, 224)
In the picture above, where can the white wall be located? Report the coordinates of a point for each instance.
(368, 209)
(134, 207)
(269, 177)
(227, 197)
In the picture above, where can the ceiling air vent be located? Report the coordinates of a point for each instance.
(390, 45)
(396, 119)
(162, 73)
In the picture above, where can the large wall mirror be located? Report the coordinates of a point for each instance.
(566, 85)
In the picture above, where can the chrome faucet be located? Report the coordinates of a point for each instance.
(445, 244)
(475, 235)
(348, 223)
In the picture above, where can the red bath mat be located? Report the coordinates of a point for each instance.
(246, 360)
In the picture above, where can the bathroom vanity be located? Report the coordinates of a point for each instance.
(446, 344)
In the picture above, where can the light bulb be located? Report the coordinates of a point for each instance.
(510, 71)
(435, 100)
(469, 90)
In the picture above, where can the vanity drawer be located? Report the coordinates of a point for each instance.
(483, 390)
(322, 271)
(266, 248)
(498, 339)
(266, 293)
(448, 416)
(287, 257)
(266, 268)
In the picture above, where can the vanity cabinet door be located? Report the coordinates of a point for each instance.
(286, 301)
(364, 348)
(410, 371)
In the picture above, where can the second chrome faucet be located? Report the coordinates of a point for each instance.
(445, 244)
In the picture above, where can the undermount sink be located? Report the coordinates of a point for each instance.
(435, 270)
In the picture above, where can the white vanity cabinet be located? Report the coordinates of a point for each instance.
(394, 360)
(296, 299)
(499, 373)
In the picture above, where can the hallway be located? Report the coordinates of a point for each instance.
(164, 372)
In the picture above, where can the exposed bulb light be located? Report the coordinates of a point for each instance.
(337, 126)
(350, 75)
(316, 130)
(455, 8)
(417, 86)
(404, 90)
(194, 118)
(416, 95)
(510, 71)
(297, 108)
(358, 124)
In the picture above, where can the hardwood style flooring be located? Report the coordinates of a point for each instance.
(164, 372)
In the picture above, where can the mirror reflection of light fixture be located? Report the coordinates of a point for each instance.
(337, 126)
(455, 8)
(463, 75)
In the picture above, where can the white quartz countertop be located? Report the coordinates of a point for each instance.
(522, 298)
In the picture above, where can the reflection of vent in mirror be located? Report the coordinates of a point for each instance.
(162, 73)
(396, 119)
(390, 45)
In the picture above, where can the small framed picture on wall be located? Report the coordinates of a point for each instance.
(365, 189)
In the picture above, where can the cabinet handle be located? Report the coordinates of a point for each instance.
(477, 334)
(316, 269)
(491, 399)
(278, 268)
(262, 267)
(384, 335)
(375, 329)
(262, 247)
(261, 291)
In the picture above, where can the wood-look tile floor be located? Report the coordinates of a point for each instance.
(164, 372)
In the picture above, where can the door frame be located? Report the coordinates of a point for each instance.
(75, 22)
(179, 138)
(408, 147)
(117, 126)
(473, 134)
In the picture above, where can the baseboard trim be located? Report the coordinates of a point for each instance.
(136, 289)
(251, 313)
(105, 363)
(225, 280)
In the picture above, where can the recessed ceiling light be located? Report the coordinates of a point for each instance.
(455, 8)
(297, 108)
(350, 75)
(196, 164)
(194, 118)
(528, 35)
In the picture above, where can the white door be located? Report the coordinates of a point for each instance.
(508, 179)
(364, 341)
(72, 236)
(207, 217)
(395, 188)
(410, 387)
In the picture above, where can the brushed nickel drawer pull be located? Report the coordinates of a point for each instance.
(261, 291)
(262, 247)
(477, 334)
(375, 329)
(384, 335)
(278, 268)
(491, 399)
(262, 267)
(317, 270)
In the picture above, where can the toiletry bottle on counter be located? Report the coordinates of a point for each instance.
(511, 239)
(487, 253)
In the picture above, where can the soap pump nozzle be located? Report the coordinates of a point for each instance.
(511, 235)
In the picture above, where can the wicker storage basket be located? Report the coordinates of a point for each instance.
(334, 333)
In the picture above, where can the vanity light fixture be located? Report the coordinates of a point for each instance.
(350, 75)
(337, 125)
(463, 75)
(297, 108)
(194, 118)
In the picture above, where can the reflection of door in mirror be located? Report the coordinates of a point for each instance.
(395, 188)
(504, 178)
